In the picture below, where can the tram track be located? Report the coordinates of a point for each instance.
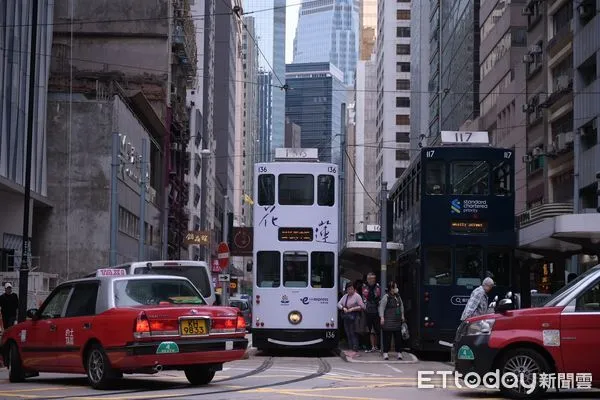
(323, 368)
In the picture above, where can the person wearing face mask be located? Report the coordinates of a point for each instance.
(391, 314)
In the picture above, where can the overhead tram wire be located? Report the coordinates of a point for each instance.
(238, 12)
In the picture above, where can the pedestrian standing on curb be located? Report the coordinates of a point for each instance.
(391, 313)
(351, 304)
(9, 305)
(371, 293)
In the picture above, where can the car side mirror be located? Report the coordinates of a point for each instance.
(32, 313)
(504, 305)
(509, 295)
(495, 299)
(492, 305)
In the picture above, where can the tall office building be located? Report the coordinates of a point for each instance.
(419, 69)
(328, 31)
(270, 36)
(265, 92)
(368, 28)
(315, 104)
(454, 72)
(393, 90)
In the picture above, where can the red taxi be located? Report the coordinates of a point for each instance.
(115, 324)
(553, 347)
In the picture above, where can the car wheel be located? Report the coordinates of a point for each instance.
(15, 366)
(99, 371)
(530, 365)
(199, 375)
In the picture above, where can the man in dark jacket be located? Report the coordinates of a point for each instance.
(371, 293)
(9, 304)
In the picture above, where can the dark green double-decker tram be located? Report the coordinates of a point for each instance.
(454, 214)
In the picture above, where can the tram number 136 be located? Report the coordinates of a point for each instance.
(330, 335)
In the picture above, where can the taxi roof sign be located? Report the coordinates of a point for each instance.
(111, 272)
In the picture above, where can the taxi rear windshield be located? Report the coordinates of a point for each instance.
(197, 275)
(138, 292)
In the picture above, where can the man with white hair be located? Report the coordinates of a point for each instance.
(478, 303)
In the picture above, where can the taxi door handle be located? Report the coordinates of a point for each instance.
(52, 328)
(87, 325)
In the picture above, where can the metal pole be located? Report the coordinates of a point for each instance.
(383, 228)
(24, 270)
(143, 183)
(440, 89)
(576, 208)
(114, 199)
(225, 234)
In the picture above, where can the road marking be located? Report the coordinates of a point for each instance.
(294, 392)
(37, 390)
(393, 368)
(356, 372)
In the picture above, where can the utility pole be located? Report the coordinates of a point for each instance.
(24, 270)
(114, 199)
(143, 185)
(383, 230)
(576, 153)
(225, 300)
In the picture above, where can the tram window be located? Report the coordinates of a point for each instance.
(296, 189)
(326, 190)
(266, 189)
(322, 269)
(295, 269)
(498, 267)
(469, 266)
(502, 179)
(268, 273)
(435, 177)
(470, 177)
(438, 266)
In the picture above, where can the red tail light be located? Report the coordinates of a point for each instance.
(169, 326)
(223, 325)
(241, 324)
(142, 326)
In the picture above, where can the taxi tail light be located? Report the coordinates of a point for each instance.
(224, 325)
(142, 326)
(165, 326)
(241, 324)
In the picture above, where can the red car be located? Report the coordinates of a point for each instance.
(115, 324)
(554, 347)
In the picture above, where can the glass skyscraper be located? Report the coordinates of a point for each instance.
(328, 31)
(269, 18)
(314, 102)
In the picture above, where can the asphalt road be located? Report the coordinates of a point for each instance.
(265, 377)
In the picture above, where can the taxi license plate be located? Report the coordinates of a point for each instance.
(193, 327)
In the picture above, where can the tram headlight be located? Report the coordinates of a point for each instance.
(295, 317)
(481, 327)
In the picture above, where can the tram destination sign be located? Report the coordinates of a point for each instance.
(296, 234)
(468, 226)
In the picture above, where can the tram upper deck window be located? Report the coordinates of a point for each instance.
(296, 189)
(268, 271)
(266, 189)
(438, 266)
(502, 175)
(435, 177)
(322, 269)
(326, 190)
(470, 178)
(295, 269)
(469, 266)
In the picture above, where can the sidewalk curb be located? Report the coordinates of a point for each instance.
(342, 354)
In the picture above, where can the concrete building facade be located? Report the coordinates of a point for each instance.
(393, 91)
(367, 28)
(293, 134)
(419, 68)
(15, 37)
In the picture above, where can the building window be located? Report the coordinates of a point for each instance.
(402, 32)
(402, 84)
(403, 14)
(402, 67)
(129, 223)
(399, 172)
(402, 120)
(402, 102)
(562, 18)
(402, 137)
(403, 49)
(402, 155)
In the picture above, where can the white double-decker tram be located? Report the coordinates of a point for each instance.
(295, 272)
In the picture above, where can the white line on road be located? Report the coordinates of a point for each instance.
(394, 368)
(356, 372)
